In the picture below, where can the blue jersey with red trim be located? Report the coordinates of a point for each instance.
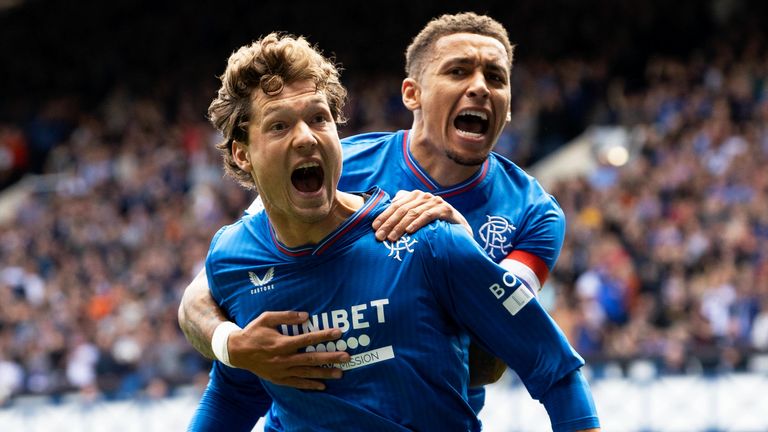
(511, 215)
(509, 212)
(405, 309)
(507, 208)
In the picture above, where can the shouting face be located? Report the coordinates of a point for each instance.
(462, 96)
(293, 153)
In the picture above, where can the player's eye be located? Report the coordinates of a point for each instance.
(278, 126)
(320, 118)
(457, 71)
(496, 77)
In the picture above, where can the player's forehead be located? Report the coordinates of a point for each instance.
(470, 47)
(294, 97)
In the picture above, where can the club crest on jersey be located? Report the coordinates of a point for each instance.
(405, 243)
(262, 283)
(494, 235)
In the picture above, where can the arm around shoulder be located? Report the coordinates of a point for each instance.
(199, 315)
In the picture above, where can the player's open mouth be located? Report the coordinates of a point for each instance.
(471, 123)
(308, 177)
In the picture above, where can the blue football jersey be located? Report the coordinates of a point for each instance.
(509, 212)
(405, 309)
(511, 215)
(507, 209)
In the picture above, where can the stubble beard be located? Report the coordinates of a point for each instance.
(470, 162)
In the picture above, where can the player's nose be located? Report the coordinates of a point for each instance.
(478, 85)
(304, 139)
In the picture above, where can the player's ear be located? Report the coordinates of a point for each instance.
(411, 94)
(241, 156)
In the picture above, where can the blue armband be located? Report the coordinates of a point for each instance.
(569, 404)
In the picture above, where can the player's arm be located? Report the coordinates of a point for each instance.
(412, 210)
(535, 253)
(409, 212)
(485, 368)
(503, 316)
(569, 404)
(258, 347)
(199, 315)
(234, 400)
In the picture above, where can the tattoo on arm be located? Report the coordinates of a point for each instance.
(199, 315)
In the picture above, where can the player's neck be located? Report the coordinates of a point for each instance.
(435, 162)
(294, 232)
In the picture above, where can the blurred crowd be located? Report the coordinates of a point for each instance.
(118, 222)
(95, 258)
(666, 258)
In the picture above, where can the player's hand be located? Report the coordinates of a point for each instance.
(412, 210)
(263, 350)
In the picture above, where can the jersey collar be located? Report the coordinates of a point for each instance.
(430, 185)
(362, 217)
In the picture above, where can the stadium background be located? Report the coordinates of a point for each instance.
(647, 120)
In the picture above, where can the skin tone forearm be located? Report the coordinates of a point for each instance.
(199, 315)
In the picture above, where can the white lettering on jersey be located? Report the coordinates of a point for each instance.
(359, 316)
(522, 272)
(339, 320)
(519, 297)
(366, 358)
(379, 305)
(497, 291)
(262, 284)
(356, 317)
(508, 279)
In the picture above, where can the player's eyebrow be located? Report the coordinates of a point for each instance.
(490, 65)
(495, 67)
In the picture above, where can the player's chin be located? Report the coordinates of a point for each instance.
(467, 157)
(311, 207)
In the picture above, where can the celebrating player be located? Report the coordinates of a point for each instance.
(404, 307)
(457, 86)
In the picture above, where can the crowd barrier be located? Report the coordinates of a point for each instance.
(733, 402)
